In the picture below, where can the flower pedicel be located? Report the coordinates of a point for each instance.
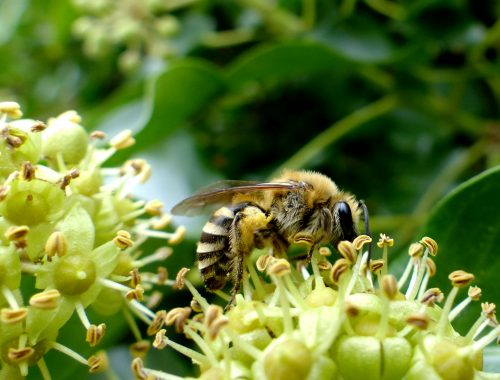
(343, 321)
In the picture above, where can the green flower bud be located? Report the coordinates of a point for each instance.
(108, 302)
(109, 218)
(167, 25)
(126, 29)
(66, 137)
(74, 274)
(213, 373)
(324, 296)
(88, 183)
(258, 338)
(400, 310)
(359, 357)
(323, 368)
(31, 149)
(289, 359)
(449, 362)
(125, 264)
(397, 356)
(243, 318)
(32, 202)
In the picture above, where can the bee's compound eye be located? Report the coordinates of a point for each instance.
(344, 216)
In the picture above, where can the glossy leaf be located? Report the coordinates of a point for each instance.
(178, 93)
(283, 60)
(466, 225)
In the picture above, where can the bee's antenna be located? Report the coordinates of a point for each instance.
(367, 230)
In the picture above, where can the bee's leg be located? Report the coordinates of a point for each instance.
(269, 237)
(262, 237)
(242, 241)
(237, 272)
(310, 253)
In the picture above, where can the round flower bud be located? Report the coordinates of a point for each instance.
(289, 359)
(321, 297)
(125, 263)
(359, 357)
(449, 362)
(88, 183)
(64, 137)
(397, 356)
(74, 274)
(259, 338)
(167, 25)
(213, 373)
(31, 149)
(108, 302)
(370, 358)
(241, 323)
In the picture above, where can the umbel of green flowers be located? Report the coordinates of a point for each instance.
(73, 226)
(138, 28)
(342, 320)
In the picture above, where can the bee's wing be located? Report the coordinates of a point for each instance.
(222, 192)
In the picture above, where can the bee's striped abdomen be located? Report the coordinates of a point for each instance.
(213, 252)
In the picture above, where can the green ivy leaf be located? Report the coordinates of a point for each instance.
(178, 93)
(282, 60)
(466, 226)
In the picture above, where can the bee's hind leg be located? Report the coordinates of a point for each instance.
(237, 273)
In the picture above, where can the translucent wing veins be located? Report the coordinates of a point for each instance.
(222, 192)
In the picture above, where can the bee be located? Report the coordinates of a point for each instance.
(296, 207)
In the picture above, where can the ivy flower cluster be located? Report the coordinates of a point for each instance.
(342, 319)
(138, 27)
(73, 226)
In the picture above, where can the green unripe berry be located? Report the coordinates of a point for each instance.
(290, 359)
(74, 274)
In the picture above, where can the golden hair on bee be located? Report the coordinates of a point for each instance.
(296, 207)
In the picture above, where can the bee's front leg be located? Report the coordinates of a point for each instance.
(269, 237)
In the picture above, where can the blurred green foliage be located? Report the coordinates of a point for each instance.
(397, 101)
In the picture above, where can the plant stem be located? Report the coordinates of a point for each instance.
(338, 130)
